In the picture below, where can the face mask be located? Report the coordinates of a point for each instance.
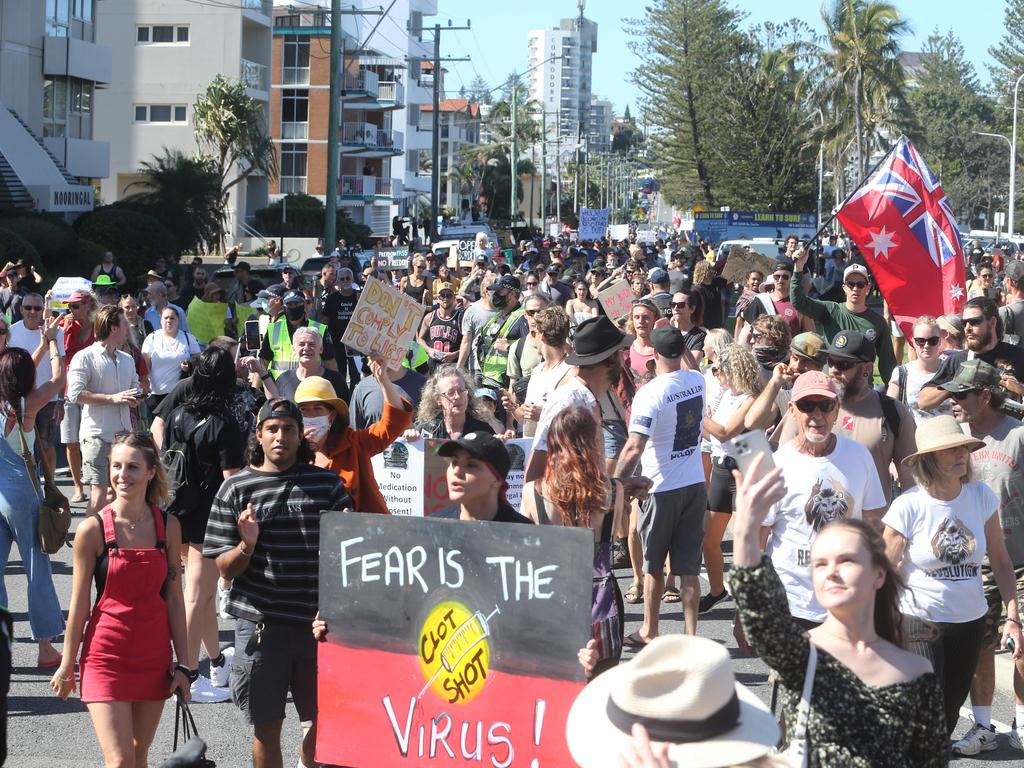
(316, 427)
(295, 313)
(766, 355)
(499, 300)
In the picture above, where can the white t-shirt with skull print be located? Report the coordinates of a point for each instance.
(945, 548)
(818, 490)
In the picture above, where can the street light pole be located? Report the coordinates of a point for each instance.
(1012, 160)
(512, 160)
(1013, 156)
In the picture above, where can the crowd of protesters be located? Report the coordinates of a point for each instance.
(210, 424)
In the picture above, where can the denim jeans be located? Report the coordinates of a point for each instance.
(19, 525)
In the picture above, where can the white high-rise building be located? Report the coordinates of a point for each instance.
(166, 53)
(560, 63)
(599, 133)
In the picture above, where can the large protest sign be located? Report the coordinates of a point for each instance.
(518, 450)
(593, 223)
(463, 253)
(435, 469)
(646, 236)
(399, 474)
(63, 287)
(391, 258)
(449, 643)
(385, 321)
(742, 261)
(617, 300)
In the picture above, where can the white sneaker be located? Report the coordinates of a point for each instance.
(978, 739)
(222, 601)
(1016, 737)
(219, 675)
(203, 692)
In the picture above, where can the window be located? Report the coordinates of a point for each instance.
(82, 10)
(295, 60)
(55, 106)
(161, 113)
(293, 168)
(58, 18)
(161, 34)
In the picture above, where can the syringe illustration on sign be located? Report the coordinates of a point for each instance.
(453, 645)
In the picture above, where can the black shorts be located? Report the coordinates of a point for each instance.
(722, 488)
(672, 523)
(193, 526)
(262, 676)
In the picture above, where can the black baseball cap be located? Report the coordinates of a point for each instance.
(279, 408)
(668, 341)
(483, 446)
(853, 345)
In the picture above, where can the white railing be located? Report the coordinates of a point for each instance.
(294, 131)
(390, 91)
(363, 134)
(255, 75)
(364, 186)
(364, 81)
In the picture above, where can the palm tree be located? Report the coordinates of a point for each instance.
(856, 75)
(184, 194)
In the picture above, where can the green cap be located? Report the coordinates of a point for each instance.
(973, 374)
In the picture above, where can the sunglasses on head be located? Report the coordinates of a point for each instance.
(809, 406)
(856, 285)
(842, 365)
(929, 341)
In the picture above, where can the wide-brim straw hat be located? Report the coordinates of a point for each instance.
(682, 689)
(939, 433)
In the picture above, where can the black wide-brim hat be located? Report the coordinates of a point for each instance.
(597, 339)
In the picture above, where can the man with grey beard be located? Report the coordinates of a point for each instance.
(881, 424)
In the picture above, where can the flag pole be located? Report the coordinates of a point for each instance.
(867, 178)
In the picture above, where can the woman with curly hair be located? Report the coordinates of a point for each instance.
(769, 341)
(448, 407)
(740, 378)
(575, 491)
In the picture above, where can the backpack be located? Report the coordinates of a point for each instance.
(187, 477)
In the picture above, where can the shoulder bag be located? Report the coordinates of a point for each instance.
(796, 753)
(54, 507)
(193, 751)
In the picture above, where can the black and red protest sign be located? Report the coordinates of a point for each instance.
(449, 643)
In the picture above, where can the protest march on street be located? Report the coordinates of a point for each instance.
(685, 441)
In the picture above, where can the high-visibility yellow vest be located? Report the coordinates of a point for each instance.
(281, 345)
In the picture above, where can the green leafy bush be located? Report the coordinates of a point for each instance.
(136, 239)
(56, 243)
(13, 247)
(306, 219)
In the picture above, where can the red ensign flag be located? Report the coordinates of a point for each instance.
(905, 228)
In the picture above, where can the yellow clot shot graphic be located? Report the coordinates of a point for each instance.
(454, 652)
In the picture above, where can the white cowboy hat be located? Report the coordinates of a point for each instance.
(682, 689)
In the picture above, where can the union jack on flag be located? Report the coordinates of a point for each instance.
(905, 228)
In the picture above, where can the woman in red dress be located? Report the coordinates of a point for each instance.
(132, 552)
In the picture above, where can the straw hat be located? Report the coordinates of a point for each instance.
(683, 690)
(939, 433)
(317, 389)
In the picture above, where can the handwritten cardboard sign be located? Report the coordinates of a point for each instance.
(435, 478)
(742, 261)
(398, 470)
(62, 289)
(618, 231)
(384, 321)
(593, 223)
(617, 300)
(391, 258)
(449, 643)
(646, 236)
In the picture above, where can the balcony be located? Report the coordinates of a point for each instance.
(68, 56)
(368, 140)
(391, 93)
(365, 188)
(256, 77)
(360, 88)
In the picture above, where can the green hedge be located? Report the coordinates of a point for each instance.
(13, 247)
(306, 219)
(136, 239)
(56, 243)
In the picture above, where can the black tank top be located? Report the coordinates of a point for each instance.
(110, 274)
(445, 335)
(414, 292)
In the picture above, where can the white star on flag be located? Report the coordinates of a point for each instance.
(955, 291)
(881, 242)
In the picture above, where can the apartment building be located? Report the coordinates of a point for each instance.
(599, 126)
(560, 62)
(51, 67)
(459, 127)
(165, 54)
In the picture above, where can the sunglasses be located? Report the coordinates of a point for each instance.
(809, 406)
(987, 275)
(961, 396)
(446, 295)
(76, 305)
(856, 285)
(534, 283)
(680, 304)
(975, 321)
(842, 365)
(783, 276)
(31, 308)
(930, 341)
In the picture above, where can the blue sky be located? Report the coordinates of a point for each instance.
(497, 42)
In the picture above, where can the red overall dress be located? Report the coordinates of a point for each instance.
(126, 655)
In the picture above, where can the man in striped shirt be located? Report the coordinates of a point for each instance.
(264, 531)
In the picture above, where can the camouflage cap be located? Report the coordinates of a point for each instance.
(973, 374)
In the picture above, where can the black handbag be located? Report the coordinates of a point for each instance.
(193, 752)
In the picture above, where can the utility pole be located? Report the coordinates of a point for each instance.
(513, 160)
(543, 171)
(435, 149)
(335, 111)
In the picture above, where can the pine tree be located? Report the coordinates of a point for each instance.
(1009, 52)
